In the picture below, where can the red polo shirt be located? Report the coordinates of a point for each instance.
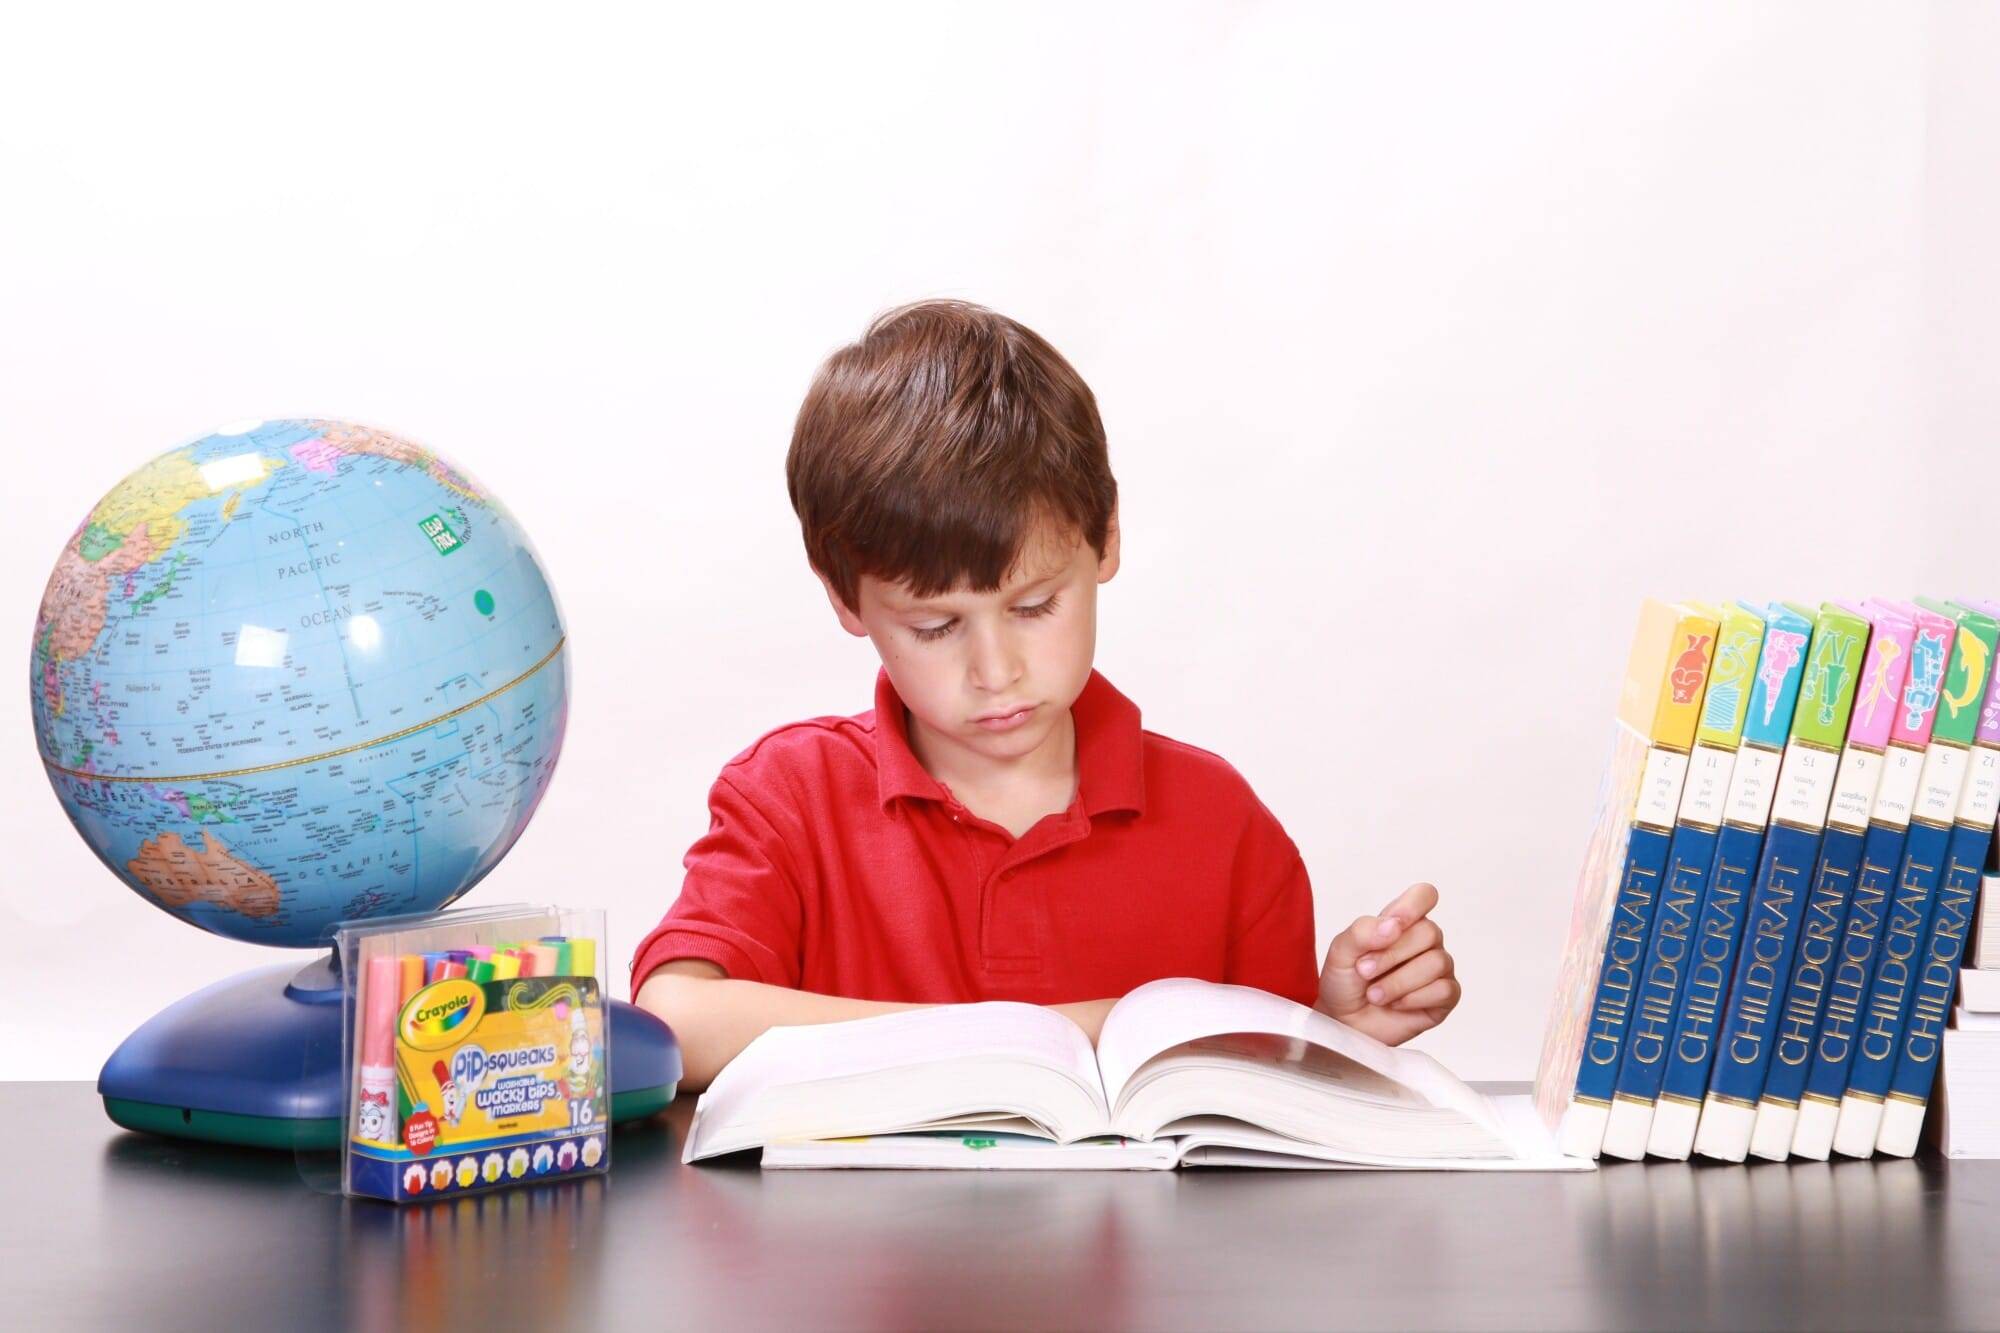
(834, 863)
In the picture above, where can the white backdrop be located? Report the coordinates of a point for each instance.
(1440, 334)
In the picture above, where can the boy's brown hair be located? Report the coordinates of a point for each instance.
(925, 452)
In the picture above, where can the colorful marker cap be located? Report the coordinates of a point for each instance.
(378, 1015)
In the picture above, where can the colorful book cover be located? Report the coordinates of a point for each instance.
(1718, 734)
(1951, 909)
(1881, 856)
(1784, 876)
(1658, 709)
(1883, 671)
(1752, 783)
(1891, 988)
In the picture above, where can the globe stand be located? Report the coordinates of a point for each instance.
(255, 1060)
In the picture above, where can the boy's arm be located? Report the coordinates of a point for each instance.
(1387, 975)
(715, 1017)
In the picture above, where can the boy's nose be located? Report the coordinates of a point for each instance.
(995, 663)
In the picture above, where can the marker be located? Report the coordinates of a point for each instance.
(545, 960)
(583, 958)
(505, 967)
(562, 947)
(530, 965)
(409, 977)
(450, 970)
(480, 970)
(377, 1107)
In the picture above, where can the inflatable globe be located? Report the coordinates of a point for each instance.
(297, 673)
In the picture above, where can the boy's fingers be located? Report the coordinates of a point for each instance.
(1366, 934)
(1440, 994)
(1419, 971)
(1424, 935)
(1413, 902)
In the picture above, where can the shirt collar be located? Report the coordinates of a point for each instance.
(1110, 752)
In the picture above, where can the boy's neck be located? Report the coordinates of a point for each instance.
(1042, 781)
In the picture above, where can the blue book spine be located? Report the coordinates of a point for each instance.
(1763, 964)
(1643, 1065)
(1719, 928)
(1937, 975)
(1847, 990)
(1624, 950)
(1891, 990)
(1819, 937)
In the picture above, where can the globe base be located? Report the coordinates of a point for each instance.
(255, 1061)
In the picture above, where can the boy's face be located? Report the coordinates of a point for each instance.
(992, 673)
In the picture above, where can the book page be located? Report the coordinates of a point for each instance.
(1219, 1142)
(963, 1151)
(1164, 1014)
(770, 1086)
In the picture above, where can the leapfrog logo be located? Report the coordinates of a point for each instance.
(442, 1014)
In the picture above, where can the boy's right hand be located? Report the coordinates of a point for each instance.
(1389, 975)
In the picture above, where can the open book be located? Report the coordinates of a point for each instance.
(1184, 1071)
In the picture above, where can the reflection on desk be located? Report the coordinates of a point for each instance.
(127, 1231)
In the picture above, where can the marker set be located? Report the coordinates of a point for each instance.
(476, 1051)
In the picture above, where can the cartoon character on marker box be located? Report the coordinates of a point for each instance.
(374, 1117)
(582, 1075)
(452, 1095)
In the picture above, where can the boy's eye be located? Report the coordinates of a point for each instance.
(931, 633)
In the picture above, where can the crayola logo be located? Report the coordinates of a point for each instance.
(442, 1014)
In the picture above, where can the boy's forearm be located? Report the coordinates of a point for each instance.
(714, 1018)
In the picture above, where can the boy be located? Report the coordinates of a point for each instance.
(998, 827)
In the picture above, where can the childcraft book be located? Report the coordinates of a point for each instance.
(1658, 709)
(1191, 1071)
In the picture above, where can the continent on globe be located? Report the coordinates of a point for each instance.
(338, 437)
(181, 876)
(135, 525)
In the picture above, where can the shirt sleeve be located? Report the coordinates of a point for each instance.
(739, 905)
(1271, 920)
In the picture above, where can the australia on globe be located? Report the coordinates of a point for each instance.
(297, 673)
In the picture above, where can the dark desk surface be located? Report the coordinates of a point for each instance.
(112, 1230)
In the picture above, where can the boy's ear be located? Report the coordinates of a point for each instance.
(1107, 564)
(848, 620)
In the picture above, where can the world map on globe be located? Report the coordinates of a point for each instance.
(297, 673)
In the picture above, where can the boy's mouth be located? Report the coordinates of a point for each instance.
(1006, 721)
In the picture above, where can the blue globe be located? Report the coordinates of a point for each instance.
(297, 673)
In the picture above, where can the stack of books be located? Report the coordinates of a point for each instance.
(1969, 1068)
(1785, 866)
